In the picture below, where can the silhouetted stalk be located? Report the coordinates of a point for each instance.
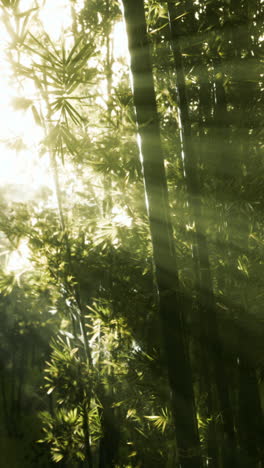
(74, 21)
(86, 430)
(88, 356)
(109, 58)
(108, 445)
(109, 80)
(5, 402)
(250, 428)
(250, 418)
(21, 377)
(199, 247)
(172, 303)
(212, 352)
(74, 288)
(233, 154)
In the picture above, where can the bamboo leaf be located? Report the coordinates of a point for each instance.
(74, 48)
(36, 116)
(21, 103)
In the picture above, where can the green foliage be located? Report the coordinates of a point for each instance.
(80, 320)
(161, 421)
(64, 373)
(64, 433)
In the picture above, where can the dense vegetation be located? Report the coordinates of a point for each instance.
(133, 336)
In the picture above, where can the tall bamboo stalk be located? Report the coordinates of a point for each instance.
(172, 303)
(212, 351)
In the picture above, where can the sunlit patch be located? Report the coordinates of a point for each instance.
(18, 261)
(121, 217)
(55, 17)
(23, 171)
(120, 45)
(19, 134)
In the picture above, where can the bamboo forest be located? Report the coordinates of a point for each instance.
(131, 234)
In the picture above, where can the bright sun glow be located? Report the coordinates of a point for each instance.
(20, 164)
(121, 217)
(56, 17)
(19, 134)
(18, 261)
(120, 40)
(25, 167)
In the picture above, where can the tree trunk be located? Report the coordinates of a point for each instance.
(172, 302)
(212, 352)
(233, 155)
(87, 446)
(250, 419)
